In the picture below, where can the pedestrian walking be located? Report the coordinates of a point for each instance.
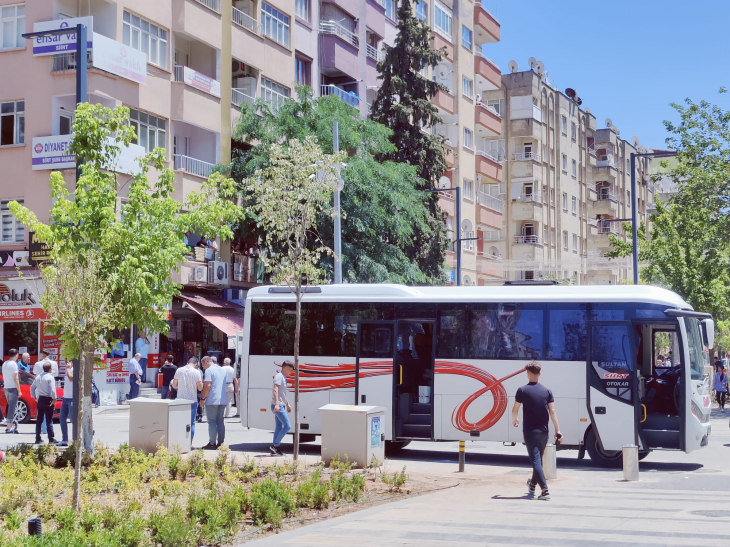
(188, 382)
(719, 384)
(231, 384)
(43, 391)
(539, 405)
(11, 379)
(38, 367)
(215, 400)
(67, 402)
(168, 371)
(280, 406)
(135, 376)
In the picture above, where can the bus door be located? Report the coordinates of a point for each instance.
(413, 379)
(612, 390)
(374, 364)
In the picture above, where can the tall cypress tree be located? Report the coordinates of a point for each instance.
(404, 105)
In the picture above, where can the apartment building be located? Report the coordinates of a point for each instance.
(566, 184)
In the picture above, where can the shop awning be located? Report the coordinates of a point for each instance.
(225, 322)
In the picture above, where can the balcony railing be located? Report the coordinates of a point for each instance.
(605, 195)
(532, 197)
(490, 156)
(493, 235)
(67, 61)
(522, 156)
(246, 21)
(490, 108)
(374, 53)
(190, 165)
(345, 96)
(607, 228)
(489, 256)
(215, 5)
(605, 160)
(532, 240)
(333, 27)
(490, 202)
(238, 97)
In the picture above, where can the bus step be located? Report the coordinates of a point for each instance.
(419, 419)
(417, 431)
(422, 408)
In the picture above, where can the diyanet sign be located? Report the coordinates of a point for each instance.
(61, 43)
(52, 153)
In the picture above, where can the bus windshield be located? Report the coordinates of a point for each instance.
(694, 343)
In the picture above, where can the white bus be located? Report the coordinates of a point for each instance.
(625, 363)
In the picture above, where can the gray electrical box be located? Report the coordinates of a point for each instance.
(154, 421)
(355, 431)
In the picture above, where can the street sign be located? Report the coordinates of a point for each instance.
(61, 43)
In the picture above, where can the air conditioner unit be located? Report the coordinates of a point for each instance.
(218, 272)
(198, 274)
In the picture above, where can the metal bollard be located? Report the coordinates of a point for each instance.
(462, 456)
(631, 462)
(550, 462)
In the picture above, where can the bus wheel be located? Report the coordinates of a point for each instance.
(600, 457)
(392, 448)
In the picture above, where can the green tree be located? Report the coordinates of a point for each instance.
(138, 246)
(289, 194)
(403, 104)
(374, 239)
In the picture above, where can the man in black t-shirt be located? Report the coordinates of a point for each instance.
(168, 371)
(539, 406)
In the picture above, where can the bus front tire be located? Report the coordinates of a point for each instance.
(393, 448)
(599, 456)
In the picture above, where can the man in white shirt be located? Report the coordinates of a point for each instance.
(141, 347)
(38, 367)
(67, 403)
(231, 384)
(280, 406)
(43, 390)
(135, 376)
(188, 382)
(11, 380)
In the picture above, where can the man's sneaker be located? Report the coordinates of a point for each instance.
(38, 441)
(274, 451)
(279, 451)
(530, 488)
(209, 446)
(544, 496)
(63, 443)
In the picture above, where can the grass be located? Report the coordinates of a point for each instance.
(133, 499)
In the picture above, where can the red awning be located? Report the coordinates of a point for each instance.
(227, 322)
(210, 302)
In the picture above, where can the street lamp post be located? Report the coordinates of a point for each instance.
(81, 97)
(338, 208)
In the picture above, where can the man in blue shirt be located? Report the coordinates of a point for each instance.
(140, 346)
(215, 400)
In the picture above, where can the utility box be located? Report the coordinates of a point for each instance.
(159, 421)
(355, 431)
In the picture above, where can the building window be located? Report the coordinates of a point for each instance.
(552, 236)
(146, 37)
(575, 205)
(391, 7)
(565, 163)
(628, 198)
(151, 130)
(467, 87)
(12, 122)
(13, 230)
(468, 189)
(584, 209)
(565, 201)
(301, 8)
(552, 197)
(574, 168)
(575, 243)
(466, 37)
(468, 139)
(13, 25)
(273, 93)
(573, 132)
(565, 240)
(275, 25)
(421, 10)
(303, 70)
(497, 105)
(443, 19)
(564, 125)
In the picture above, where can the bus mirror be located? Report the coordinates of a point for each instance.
(708, 333)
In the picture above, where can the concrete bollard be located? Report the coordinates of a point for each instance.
(462, 456)
(550, 462)
(631, 462)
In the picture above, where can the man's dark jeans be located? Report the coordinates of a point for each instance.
(46, 406)
(535, 442)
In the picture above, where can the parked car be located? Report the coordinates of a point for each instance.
(27, 408)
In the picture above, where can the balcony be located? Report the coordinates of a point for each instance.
(486, 28)
(532, 197)
(489, 264)
(591, 156)
(246, 22)
(192, 166)
(449, 154)
(374, 54)
(345, 96)
(197, 20)
(493, 235)
(334, 28)
(527, 240)
(238, 97)
(197, 80)
(606, 203)
(488, 75)
(339, 51)
(606, 160)
(488, 122)
(214, 5)
(440, 43)
(527, 209)
(444, 101)
(488, 166)
(195, 99)
(530, 128)
(490, 210)
(526, 156)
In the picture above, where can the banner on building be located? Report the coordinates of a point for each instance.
(61, 43)
(52, 344)
(13, 259)
(202, 82)
(52, 153)
(118, 371)
(38, 252)
(119, 59)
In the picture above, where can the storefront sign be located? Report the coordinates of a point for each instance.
(118, 372)
(22, 315)
(16, 297)
(51, 343)
(13, 259)
(61, 43)
(119, 59)
(39, 252)
(52, 153)
(202, 82)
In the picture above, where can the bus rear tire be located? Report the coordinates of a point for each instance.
(393, 448)
(600, 457)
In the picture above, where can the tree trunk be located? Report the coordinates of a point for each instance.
(79, 429)
(297, 331)
(88, 421)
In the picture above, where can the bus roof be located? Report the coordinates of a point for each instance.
(509, 293)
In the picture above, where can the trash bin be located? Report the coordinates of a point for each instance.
(355, 431)
(159, 421)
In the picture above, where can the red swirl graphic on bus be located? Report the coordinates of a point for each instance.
(315, 377)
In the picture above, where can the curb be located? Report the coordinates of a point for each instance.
(112, 409)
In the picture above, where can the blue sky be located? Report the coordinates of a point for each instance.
(627, 59)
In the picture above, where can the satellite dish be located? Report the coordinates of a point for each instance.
(615, 130)
(467, 281)
(635, 141)
(587, 110)
(608, 122)
(570, 92)
(532, 62)
(513, 66)
(578, 101)
(540, 68)
(444, 183)
(441, 72)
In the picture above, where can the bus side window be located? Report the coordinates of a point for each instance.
(567, 337)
